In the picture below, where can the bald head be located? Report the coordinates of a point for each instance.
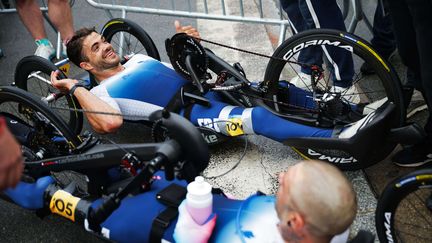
(321, 194)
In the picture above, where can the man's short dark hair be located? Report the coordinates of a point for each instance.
(75, 45)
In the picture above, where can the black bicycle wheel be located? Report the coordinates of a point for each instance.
(50, 133)
(404, 210)
(33, 74)
(327, 106)
(135, 40)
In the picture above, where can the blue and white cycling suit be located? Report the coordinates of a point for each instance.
(147, 85)
(250, 220)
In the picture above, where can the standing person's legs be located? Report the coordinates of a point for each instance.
(411, 22)
(311, 55)
(60, 14)
(31, 16)
(422, 21)
(405, 37)
(326, 14)
(383, 39)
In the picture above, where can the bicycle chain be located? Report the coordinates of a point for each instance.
(251, 52)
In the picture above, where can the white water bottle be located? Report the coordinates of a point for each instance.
(199, 200)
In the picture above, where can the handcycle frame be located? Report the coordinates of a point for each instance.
(388, 129)
(94, 212)
(94, 160)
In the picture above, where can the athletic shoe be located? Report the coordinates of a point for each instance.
(414, 155)
(45, 49)
(350, 94)
(302, 81)
(416, 105)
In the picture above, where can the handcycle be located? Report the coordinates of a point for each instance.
(403, 212)
(323, 107)
(125, 198)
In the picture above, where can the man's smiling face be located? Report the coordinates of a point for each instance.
(100, 54)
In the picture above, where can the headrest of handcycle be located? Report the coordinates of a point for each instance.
(194, 148)
(179, 47)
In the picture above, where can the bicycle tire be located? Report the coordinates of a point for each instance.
(389, 83)
(13, 94)
(390, 205)
(31, 64)
(117, 25)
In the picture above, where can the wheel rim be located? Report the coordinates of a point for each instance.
(39, 83)
(318, 110)
(365, 90)
(129, 46)
(412, 218)
(33, 74)
(45, 134)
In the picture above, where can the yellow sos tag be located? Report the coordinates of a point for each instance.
(63, 203)
(234, 127)
(65, 68)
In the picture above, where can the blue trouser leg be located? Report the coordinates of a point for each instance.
(254, 121)
(313, 54)
(322, 14)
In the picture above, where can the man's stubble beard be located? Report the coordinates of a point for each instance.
(104, 66)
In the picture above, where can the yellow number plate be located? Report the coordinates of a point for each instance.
(63, 203)
(65, 68)
(234, 127)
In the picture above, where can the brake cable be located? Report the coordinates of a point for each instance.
(146, 117)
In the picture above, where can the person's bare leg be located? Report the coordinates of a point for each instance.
(31, 16)
(60, 14)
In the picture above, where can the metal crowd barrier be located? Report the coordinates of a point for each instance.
(186, 8)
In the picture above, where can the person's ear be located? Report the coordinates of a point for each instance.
(86, 66)
(296, 221)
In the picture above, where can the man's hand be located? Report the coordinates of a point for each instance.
(187, 230)
(11, 161)
(64, 85)
(189, 30)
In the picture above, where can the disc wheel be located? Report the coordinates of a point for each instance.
(304, 73)
(404, 210)
(33, 74)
